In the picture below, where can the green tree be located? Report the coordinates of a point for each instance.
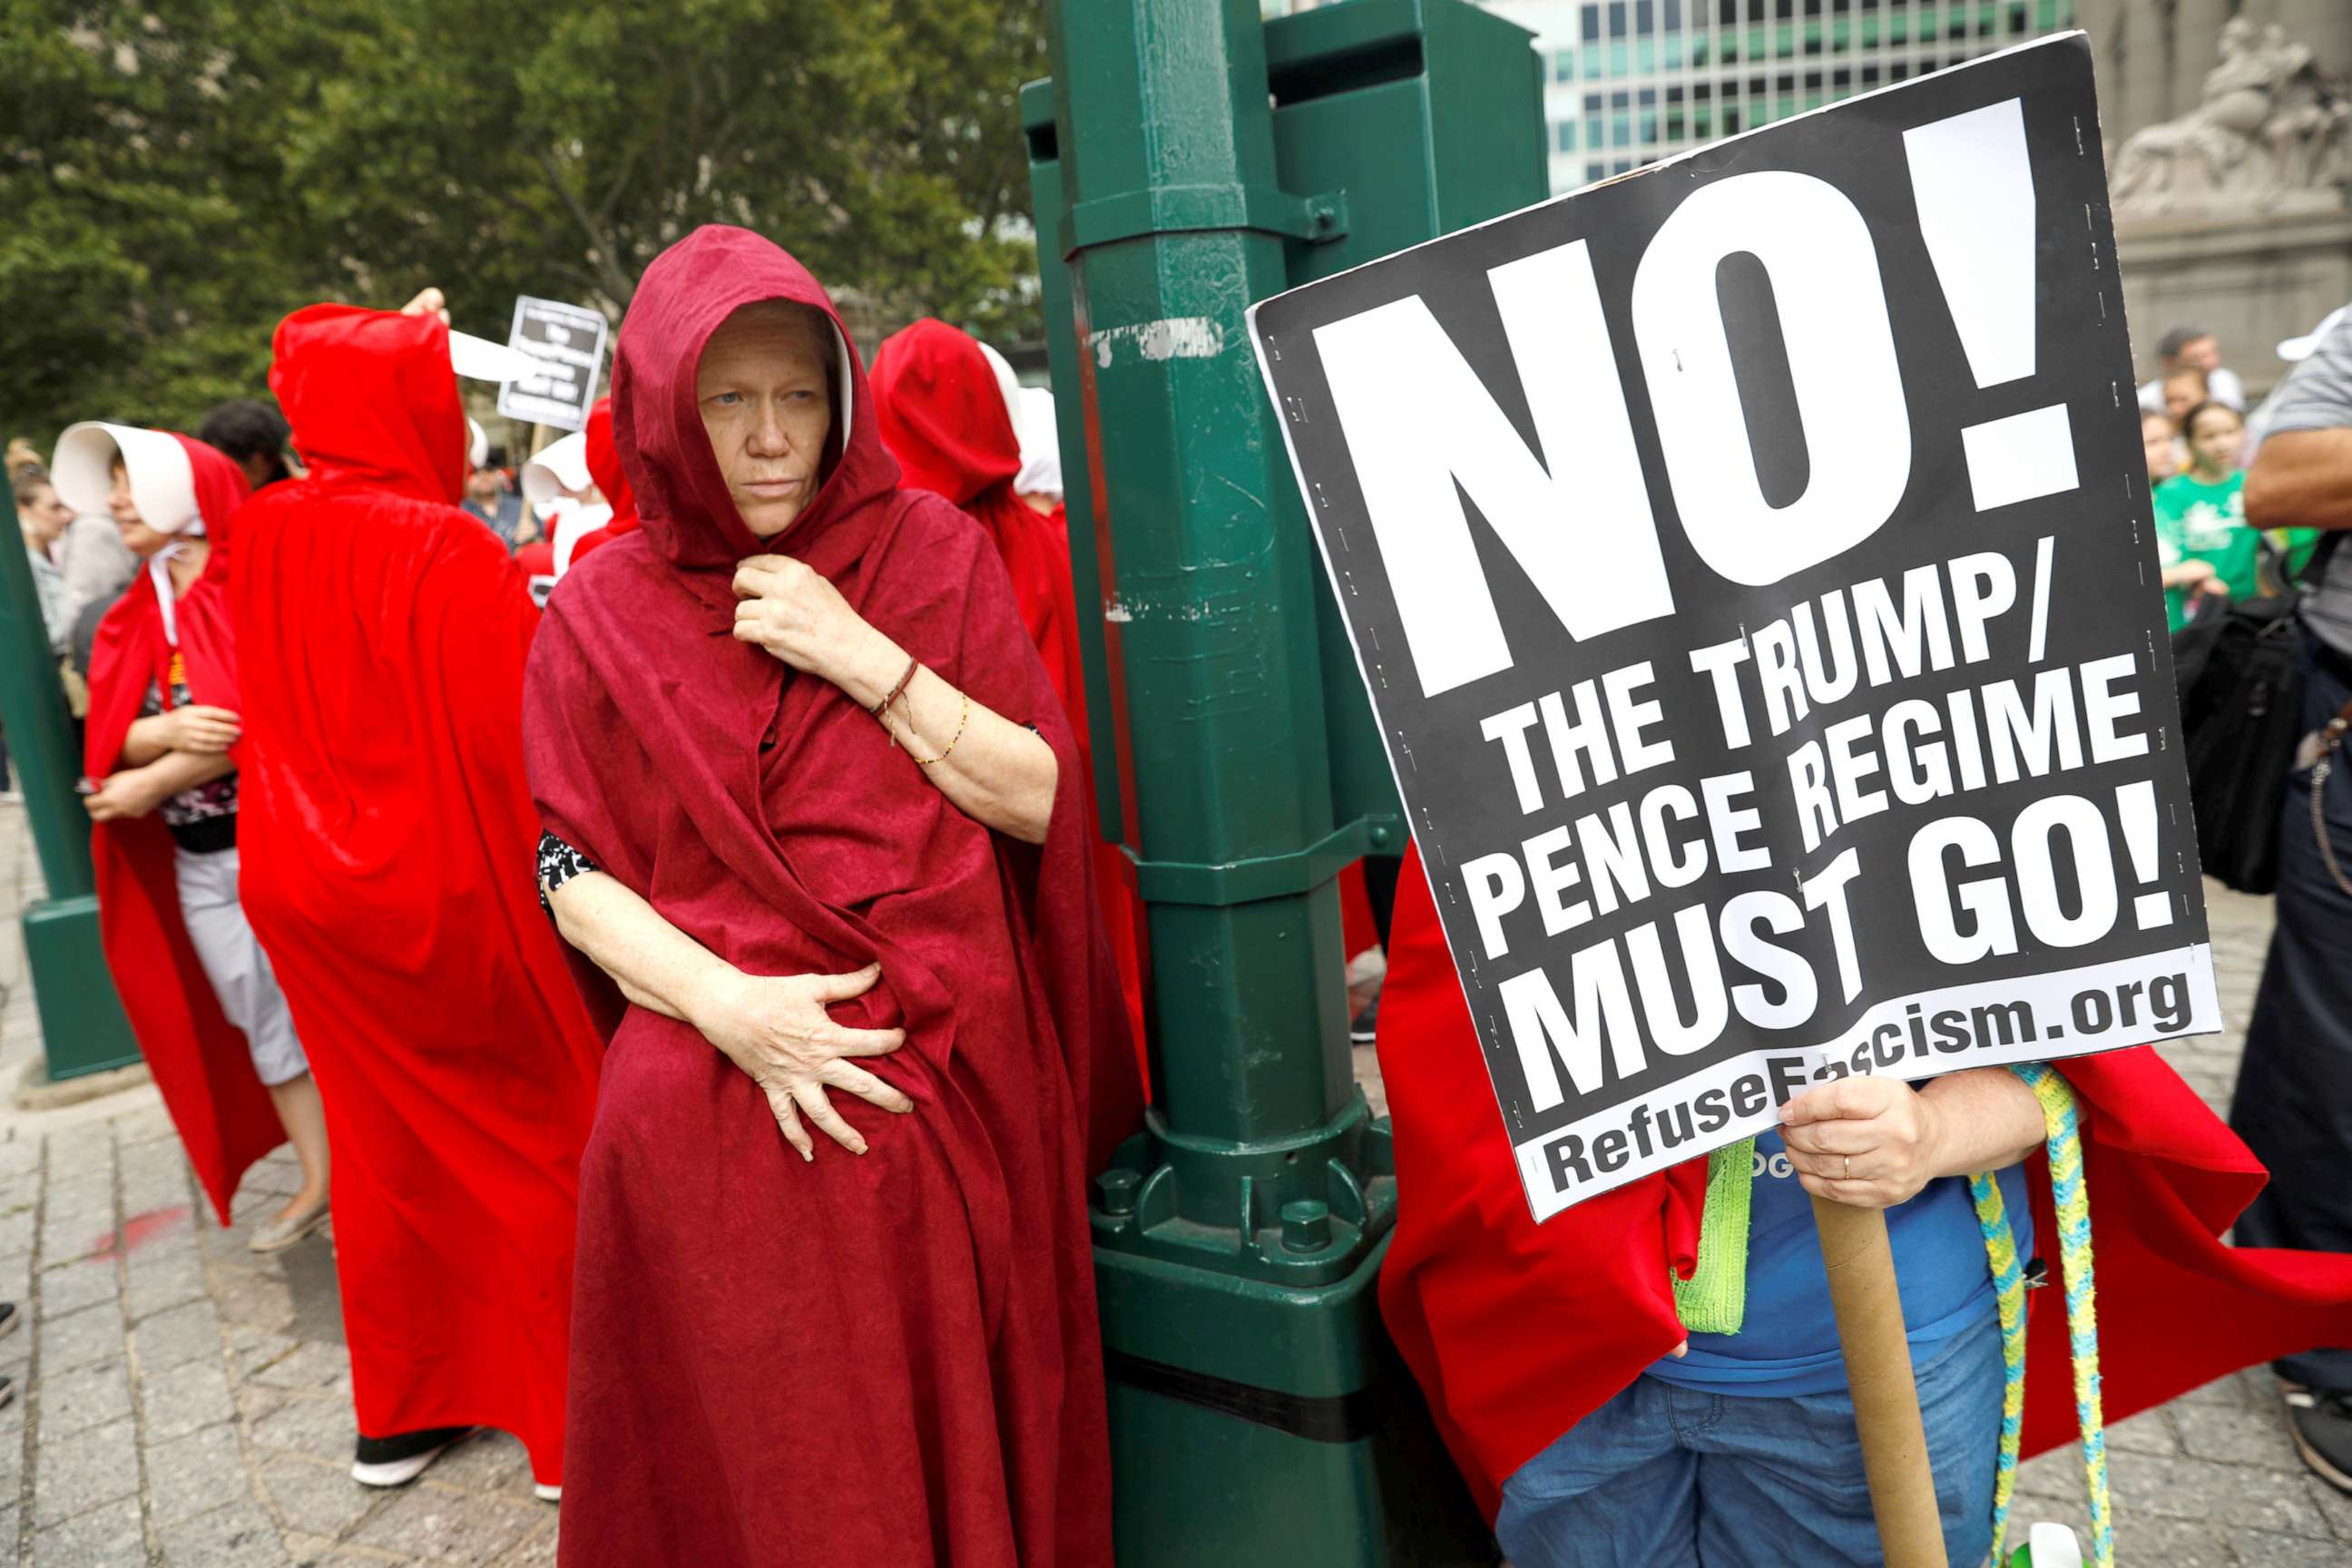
(190, 170)
(140, 269)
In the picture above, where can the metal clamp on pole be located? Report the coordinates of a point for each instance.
(1177, 209)
(1268, 876)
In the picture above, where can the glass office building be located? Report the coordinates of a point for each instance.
(1630, 81)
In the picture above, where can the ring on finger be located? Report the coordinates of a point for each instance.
(1847, 1174)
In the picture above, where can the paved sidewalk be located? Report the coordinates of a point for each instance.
(180, 1400)
(183, 1402)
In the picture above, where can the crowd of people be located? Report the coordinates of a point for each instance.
(698, 1041)
(656, 893)
(2199, 437)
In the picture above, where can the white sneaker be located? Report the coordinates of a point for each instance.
(546, 1493)
(397, 1460)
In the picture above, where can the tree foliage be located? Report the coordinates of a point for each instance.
(178, 175)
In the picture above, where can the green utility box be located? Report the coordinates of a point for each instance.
(1188, 161)
(82, 1025)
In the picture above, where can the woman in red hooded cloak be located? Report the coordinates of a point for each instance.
(383, 633)
(946, 417)
(163, 745)
(1518, 1332)
(786, 1352)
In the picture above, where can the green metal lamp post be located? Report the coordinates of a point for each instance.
(81, 1020)
(1186, 161)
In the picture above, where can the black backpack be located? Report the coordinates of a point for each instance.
(2241, 719)
(2240, 708)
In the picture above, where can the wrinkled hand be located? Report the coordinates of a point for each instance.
(126, 794)
(197, 728)
(428, 302)
(776, 1028)
(790, 609)
(1871, 1142)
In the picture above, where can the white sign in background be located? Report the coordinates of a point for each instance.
(568, 343)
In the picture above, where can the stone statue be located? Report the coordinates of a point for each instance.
(2271, 132)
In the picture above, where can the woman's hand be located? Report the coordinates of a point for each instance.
(197, 728)
(130, 793)
(776, 1028)
(1873, 1142)
(794, 612)
(428, 302)
(1870, 1141)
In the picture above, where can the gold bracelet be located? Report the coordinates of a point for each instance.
(961, 720)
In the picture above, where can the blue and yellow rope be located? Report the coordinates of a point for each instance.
(2071, 1200)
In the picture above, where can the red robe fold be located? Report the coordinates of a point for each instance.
(612, 481)
(200, 1061)
(944, 418)
(1517, 1332)
(388, 841)
(885, 1359)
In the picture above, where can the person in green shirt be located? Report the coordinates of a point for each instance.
(2207, 549)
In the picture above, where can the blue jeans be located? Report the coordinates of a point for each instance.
(1669, 1478)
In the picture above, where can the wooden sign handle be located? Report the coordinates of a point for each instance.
(1877, 1351)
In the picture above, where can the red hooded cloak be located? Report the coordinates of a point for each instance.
(1517, 1332)
(887, 1359)
(388, 838)
(944, 418)
(199, 1060)
(612, 481)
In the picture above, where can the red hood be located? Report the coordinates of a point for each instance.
(682, 501)
(221, 490)
(605, 467)
(941, 413)
(372, 401)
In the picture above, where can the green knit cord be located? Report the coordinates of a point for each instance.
(1714, 1300)
(2069, 1198)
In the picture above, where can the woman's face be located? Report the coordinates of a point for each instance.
(2215, 439)
(137, 537)
(2155, 444)
(763, 390)
(44, 516)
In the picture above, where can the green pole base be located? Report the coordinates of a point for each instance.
(1257, 1422)
(81, 1020)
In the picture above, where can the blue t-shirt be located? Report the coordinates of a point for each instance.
(1788, 1341)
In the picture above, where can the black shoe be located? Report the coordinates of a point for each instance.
(399, 1459)
(7, 1389)
(8, 1315)
(2320, 1422)
(1367, 1023)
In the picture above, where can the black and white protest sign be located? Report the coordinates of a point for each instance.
(568, 343)
(1751, 563)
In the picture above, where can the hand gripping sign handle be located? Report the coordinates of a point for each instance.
(1878, 1352)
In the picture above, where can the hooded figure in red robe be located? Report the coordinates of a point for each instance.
(887, 1356)
(612, 481)
(947, 419)
(200, 1061)
(1517, 1332)
(388, 832)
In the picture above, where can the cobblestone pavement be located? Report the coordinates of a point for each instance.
(183, 1402)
